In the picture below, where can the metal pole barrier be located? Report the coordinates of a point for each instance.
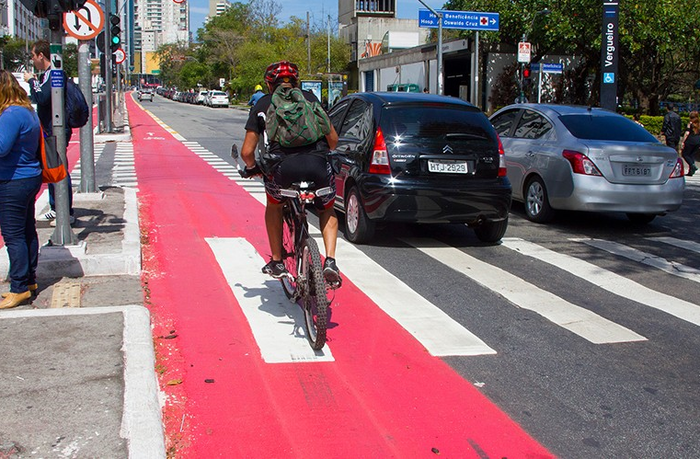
(63, 234)
(87, 150)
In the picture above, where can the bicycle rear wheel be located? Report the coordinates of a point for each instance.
(314, 299)
(289, 258)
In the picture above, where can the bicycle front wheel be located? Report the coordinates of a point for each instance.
(289, 258)
(314, 300)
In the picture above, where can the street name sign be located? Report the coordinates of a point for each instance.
(85, 23)
(461, 20)
(547, 68)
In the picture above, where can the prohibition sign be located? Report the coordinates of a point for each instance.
(85, 23)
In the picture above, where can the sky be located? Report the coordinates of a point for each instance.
(319, 9)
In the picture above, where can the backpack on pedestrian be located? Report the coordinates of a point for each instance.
(77, 110)
(293, 121)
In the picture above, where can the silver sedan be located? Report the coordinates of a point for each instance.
(586, 159)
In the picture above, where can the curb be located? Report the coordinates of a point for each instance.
(141, 418)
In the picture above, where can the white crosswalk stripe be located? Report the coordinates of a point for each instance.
(687, 245)
(608, 280)
(576, 319)
(277, 324)
(648, 259)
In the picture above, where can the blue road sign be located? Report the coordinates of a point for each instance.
(56, 78)
(462, 20)
(547, 68)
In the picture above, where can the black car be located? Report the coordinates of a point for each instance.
(418, 158)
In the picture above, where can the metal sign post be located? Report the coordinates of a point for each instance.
(87, 148)
(63, 234)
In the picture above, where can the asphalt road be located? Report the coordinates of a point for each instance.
(639, 397)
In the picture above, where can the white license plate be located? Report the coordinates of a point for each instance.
(448, 167)
(638, 171)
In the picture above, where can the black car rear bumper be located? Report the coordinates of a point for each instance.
(419, 201)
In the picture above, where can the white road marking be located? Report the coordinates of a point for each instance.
(576, 319)
(608, 280)
(433, 328)
(670, 267)
(687, 245)
(276, 323)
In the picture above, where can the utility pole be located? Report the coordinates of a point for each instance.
(87, 150)
(308, 44)
(108, 68)
(63, 234)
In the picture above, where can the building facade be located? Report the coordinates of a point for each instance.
(18, 22)
(157, 23)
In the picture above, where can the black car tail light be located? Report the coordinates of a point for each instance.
(502, 171)
(580, 163)
(379, 163)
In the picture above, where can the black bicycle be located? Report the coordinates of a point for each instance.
(301, 256)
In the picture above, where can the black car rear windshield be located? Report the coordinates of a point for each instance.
(436, 121)
(592, 127)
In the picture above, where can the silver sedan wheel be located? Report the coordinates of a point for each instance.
(535, 198)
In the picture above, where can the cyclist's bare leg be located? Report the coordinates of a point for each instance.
(273, 223)
(329, 229)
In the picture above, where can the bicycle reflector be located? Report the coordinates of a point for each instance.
(380, 156)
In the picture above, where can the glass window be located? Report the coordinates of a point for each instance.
(503, 122)
(336, 114)
(532, 126)
(608, 127)
(356, 124)
(436, 121)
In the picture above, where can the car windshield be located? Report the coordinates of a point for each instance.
(616, 128)
(436, 121)
(218, 93)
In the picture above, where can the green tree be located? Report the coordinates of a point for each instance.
(659, 43)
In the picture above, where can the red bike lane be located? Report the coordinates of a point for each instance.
(383, 396)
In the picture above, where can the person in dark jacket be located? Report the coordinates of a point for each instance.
(40, 94)
(671, 127)
(20, 181)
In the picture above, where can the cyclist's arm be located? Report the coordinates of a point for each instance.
(250, 143)
(332, 138)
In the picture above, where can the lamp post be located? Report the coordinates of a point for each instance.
(440, 83)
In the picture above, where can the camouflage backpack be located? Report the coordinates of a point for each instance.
(293, 121)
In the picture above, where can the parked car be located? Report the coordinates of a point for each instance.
(201, 96)
(145, 94)
(217, 99)
(418, 158)
(586, 159)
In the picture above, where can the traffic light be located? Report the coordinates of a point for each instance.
(102, 67)
(115, 31)
(527, 76)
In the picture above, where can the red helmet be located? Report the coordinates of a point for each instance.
(282, 69)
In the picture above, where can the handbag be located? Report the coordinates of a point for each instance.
(52, 168)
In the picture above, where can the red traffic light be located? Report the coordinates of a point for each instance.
(526, 72)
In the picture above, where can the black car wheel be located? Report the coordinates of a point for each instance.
(358, 227)
(491, 232)
(537, 208)
(641, 219)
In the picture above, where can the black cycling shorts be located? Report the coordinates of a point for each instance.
(298, 167)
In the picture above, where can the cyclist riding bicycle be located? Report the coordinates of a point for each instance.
(305, 163)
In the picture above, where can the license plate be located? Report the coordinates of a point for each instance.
(448, 167)
(637, 171)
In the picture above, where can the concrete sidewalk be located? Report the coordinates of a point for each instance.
(77, 371)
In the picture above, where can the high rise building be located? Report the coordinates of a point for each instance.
(157, 23)
(217, 8)
(17, 21)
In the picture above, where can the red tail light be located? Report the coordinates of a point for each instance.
(678, 171)
(502, 171)
(379, 163)
(580, 163)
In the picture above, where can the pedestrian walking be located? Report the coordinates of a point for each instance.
(691, 142)
(20, 181)
(671, 127)
(40, 93)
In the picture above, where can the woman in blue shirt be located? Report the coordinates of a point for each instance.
(20, 181)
